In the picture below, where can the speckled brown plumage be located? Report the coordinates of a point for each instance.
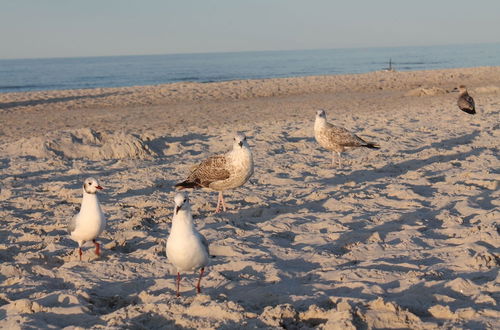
(208, 171)
(465, 102)
(223, 172)
(336, 139)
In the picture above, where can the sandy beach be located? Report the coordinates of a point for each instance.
(405, 237)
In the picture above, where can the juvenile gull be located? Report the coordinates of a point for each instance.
(90, 222)
(465, 102)
(187, 249)
(336, 139)
(222, 172)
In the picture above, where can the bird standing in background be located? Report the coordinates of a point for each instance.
(90, 222)
(465, 102)
(222, 172)
(187, 249)
(336, 139)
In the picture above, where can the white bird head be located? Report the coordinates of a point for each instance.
(240, 140)
(321, 114)
(90, 186)
(181, 202)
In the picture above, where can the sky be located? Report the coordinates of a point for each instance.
(70, 28)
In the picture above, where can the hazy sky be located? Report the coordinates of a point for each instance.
(65, 28)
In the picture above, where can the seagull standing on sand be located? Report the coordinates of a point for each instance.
(187, 249)
(90, 222)
(223, 172)
(336, 139)
(465, 102)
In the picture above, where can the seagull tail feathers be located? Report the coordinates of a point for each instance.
(469, 111)
(372, 145)
(187, 185)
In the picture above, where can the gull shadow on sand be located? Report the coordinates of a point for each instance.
(447, 144)
(158, 185)
(161, 145)
(395, 170)
(9, 105)
(392, 170)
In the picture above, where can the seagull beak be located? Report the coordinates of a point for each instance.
(240, 143)
(177, 208)
(99, 187)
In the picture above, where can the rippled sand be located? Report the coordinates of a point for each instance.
(402, 237)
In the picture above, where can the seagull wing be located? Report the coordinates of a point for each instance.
(72, 224)
(210, 170)
(204, 242)
(466, 103)
(343, 137)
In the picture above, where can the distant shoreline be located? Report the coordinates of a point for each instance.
(250, 88)
(393, 68)
(146, 70)
(181, 106)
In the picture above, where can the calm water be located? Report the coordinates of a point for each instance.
(114, 71)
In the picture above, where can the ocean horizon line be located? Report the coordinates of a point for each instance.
(256, 51)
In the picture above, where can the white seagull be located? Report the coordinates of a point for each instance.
(187, 249)
(90, 222)
(335, 138)
(223, 172)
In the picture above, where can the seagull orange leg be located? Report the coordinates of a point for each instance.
(97, 248)
(178, 283)
(223, 202)
(198, 286)
(80, 252)
(220, 201)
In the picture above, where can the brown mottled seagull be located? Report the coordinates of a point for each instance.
(465, 102)
(336, 139)
(223, 172)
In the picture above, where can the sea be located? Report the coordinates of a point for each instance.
(19, 75)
